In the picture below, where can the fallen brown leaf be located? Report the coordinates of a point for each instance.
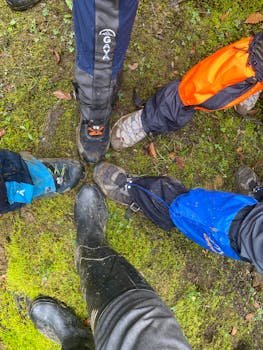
(8, 87)
(152, 150)
(56, 55)
(224, 16)
(250, 316)
(86, 322)
(62, 95)
(254, 18)
(133, 66)
(218, 182)
(172, 155)
(3, 277)
(2, 132)
(240, 153)
(234, 331)
(179, 162)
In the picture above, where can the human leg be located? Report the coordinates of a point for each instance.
(162, 113)
(151, 194)
(23, 178)
(212, 219)
(102, 31)
(125, 311)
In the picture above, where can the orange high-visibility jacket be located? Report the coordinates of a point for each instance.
(226, 78)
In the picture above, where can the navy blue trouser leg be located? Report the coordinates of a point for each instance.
(102, 33)
(154, 195)
(165, 111)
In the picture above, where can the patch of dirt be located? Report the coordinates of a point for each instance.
(3, 262)
(3, 258)
(51, 124)
(210, 332)
(193, 273)
(242, 345)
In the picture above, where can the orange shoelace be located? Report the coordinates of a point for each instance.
(98, 131)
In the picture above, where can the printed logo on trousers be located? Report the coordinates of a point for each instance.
(107, 34)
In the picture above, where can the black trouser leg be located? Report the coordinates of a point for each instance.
(104, 276)
(165, 111)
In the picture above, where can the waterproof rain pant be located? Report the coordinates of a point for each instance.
(125, 311)
(225, 223)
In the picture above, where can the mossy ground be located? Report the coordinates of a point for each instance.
(209, 294)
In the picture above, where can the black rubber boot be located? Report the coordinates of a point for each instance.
(55, 321)
(21, 5)
(104, 274)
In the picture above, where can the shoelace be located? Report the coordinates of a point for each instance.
(59, 175)
(96, 130)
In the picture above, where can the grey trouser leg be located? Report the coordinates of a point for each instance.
(138, 320)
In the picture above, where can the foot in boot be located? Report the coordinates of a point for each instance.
(21, 5)
(246, 106)
(55, 321)
(247, 181)
(66, 172)
(127, 131)
(91, 216)
(113, 181)
(93, 139)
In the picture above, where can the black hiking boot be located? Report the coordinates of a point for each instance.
(247, 182)
(56, 322)
(113, 182)
(96, 96)
(66, 172)
(93, 139)
(21, 5)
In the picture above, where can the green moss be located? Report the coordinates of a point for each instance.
(209, 294)
(17, 331)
